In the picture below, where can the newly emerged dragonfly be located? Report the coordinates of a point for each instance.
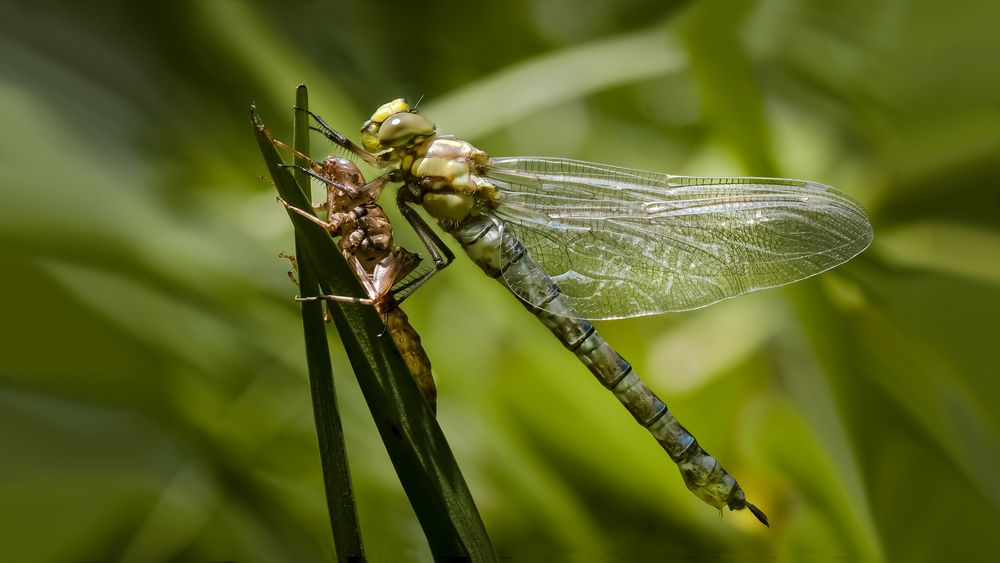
(578, 240)
(366, 242)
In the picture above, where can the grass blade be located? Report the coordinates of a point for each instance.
(329, 428)
(415, 443)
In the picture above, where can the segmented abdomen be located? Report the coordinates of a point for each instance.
(482, 237)
(408, 343)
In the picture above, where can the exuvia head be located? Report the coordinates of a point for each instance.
(393, 125)
(343, 171)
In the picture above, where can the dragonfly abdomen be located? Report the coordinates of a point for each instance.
(502, 256)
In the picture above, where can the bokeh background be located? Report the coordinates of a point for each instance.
(153, 398)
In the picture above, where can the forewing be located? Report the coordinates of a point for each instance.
(623, 243)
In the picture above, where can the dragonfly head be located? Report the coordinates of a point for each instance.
(394, 125)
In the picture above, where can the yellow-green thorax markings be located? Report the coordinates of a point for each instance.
(444, 172)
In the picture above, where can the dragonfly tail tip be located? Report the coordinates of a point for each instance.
(759, 514)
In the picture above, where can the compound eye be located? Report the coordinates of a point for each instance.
(401, 127)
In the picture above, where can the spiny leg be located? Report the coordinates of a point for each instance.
(314, 171)
(338, 139)
(330, 182)
(439, 251)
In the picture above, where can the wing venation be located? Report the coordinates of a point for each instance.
(624, 243)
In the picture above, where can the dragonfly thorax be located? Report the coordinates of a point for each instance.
(446, 175)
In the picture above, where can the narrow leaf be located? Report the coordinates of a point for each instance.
(329, 428)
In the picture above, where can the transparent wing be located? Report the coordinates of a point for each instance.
(623, 243)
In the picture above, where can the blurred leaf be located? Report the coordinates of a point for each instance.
(721, 66)
(566, 75)
(693, 352)
(945, 247)
(840, 524)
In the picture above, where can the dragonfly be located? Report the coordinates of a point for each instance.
(366, 241)
(580, 241)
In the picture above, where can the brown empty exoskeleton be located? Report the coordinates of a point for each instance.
(366, 241)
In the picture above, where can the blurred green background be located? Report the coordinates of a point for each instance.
(153, 398)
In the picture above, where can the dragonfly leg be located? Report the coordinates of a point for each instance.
(373, 296)
(315, 170)
(329, 182)
(332, 227)
(294, 267)
(292, 271)
(439, 251)
(338, 139)
(337, 298)
(281, 145)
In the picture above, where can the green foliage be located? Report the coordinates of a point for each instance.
(153, 398)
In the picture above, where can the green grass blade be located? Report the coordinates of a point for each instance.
(329, 428)
(415, 443)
